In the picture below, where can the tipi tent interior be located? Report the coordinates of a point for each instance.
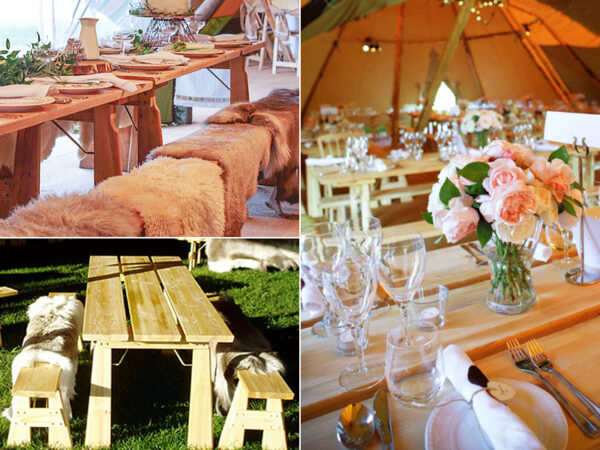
(543, 48)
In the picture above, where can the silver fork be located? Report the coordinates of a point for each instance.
(543, 363)
(525, 364)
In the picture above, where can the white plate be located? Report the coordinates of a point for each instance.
(82, 88)
(23, 103)
(455, 427)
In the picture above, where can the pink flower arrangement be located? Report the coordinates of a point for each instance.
(503, 190)
(476, 121)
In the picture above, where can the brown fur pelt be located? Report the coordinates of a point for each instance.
(279, 113)
(250, 350)
(173, 197)
(240, 150)
(90, 214)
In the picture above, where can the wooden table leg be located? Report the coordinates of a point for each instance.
(97, 433)
(354, 196)
(238, 80)
(313, 193)
(149, 125)
(26, 172)
(200, 432)
(107, 147)
(365, 209)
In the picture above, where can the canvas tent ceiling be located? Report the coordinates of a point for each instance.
(501, 67)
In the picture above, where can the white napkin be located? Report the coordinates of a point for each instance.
(378, 166)
(327, 161)
(126, 85)
(161, 57)
(24, 90)
(311, 298)
(542, 253)
(504, 429)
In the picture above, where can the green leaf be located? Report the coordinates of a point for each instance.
(39, 37)
(560, 153)
(475, 171)
(476, 205)
(573, 200)
(428, 217)
(438, 240)
(448, 192)
(484, 232)
(576, 185)
(568, 207)
(475, 190)
(7, 44)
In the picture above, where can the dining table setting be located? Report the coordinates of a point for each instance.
(86, 82)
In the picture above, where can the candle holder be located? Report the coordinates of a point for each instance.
(580, 275)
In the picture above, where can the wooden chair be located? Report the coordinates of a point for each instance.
(269, 386)
(6, 292)
(39, 385)
(257, 12)
(281, 42)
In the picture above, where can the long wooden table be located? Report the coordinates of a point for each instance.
(22, 183)
(562, 309)
(166, 310)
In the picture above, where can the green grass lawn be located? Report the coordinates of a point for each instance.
(150, 388)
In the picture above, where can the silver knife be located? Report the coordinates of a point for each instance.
(383, 421)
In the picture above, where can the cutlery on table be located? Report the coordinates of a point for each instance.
(383, 420)
(355, 427)
(542, 362)
(525, 364)
(478, 260)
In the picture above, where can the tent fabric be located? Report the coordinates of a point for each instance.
(500, 62)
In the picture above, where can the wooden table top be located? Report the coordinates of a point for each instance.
(429, 163)
(470, 325)
(574, 352)
(163, 303)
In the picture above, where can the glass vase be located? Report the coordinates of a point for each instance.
(511, 290)
(483, 138)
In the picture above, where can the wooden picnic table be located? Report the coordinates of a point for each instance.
(565, 321)
(163, 308)
(22, 184)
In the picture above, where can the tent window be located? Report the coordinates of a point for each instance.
(444, 99)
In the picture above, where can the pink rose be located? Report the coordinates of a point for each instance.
(555, 175)
(520, 154)
(511, 203)
(503, 171)
(460, 161)
(459, 222)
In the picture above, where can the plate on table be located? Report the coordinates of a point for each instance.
(81, 88)
(235, 44)
(23, 103)
(455, 426)
(200, 53)
(134, 66)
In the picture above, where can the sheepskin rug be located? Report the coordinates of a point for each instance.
(92, 214)
(54, 326)
(173, 197)
(250, 350)
(224, 255)
(240, 150)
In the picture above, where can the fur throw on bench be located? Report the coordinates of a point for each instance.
(173, 197)
(52, 332)
(249, 351)
(224, 255)
(91, 214)
(240, 150)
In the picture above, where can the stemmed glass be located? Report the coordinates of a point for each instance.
(365, 239)
(350, 286)
(319, 244)
(559, 238)
(123, 38)
(401, 270)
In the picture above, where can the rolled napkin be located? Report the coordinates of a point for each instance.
(378, 166)
(327, 161)
(504, 429)
(311, 298)
(24, 90)
(542, 253)
(161, 57)
(126, 85)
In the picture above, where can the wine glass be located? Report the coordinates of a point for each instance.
(559, 238)
(321, 243)
(365, 239)
(401, 270)
(350, 286)
(123, 38)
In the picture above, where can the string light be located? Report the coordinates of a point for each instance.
(369, 45)
(477, 7)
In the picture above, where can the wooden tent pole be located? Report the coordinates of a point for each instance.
(536, 58)
(474, 70)
(459, 26)
(563, 44)
(313, 89)
(396, 87)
